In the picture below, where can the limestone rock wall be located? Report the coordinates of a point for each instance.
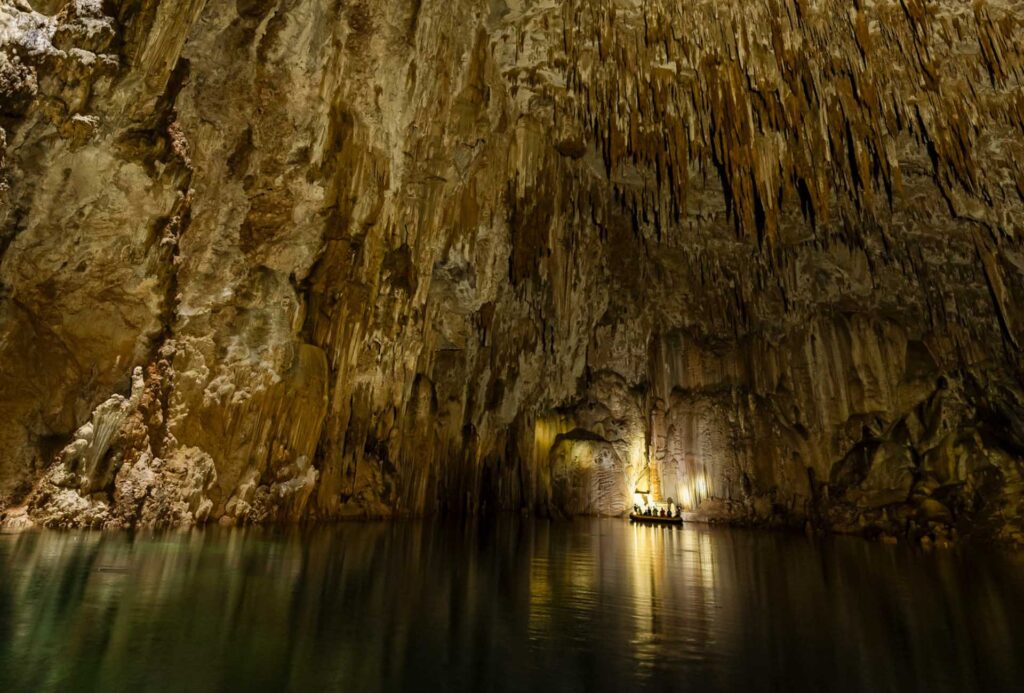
(380, 257)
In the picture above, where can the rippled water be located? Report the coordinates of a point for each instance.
(509, 606)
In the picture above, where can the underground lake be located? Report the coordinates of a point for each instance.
(504, 605)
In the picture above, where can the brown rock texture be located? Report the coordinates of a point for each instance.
(283, 260)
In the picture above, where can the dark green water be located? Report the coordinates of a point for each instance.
(506, 606)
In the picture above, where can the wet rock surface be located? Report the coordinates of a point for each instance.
(378, 258)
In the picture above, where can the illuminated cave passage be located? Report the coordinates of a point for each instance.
(271, 262)
(669, 345)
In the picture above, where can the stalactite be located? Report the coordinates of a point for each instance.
(446, 258)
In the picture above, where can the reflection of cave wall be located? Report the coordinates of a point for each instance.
(378, 258)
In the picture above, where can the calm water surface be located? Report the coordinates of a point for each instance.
(504, 606)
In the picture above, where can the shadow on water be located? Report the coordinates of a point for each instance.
(509, 605)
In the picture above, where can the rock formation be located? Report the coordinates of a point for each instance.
(377, 257)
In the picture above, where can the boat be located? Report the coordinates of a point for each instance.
(656, 519)
(642, 500)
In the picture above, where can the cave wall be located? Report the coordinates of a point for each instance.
(309, 259)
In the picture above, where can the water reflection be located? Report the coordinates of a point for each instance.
(591, 605)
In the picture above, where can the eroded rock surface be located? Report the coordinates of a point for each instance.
(378, 257)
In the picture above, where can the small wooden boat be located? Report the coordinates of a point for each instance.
(656, 519)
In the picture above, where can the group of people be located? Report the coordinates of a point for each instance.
(649, 511)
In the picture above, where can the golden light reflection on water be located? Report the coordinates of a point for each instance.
(663, 578)
(673, 576)
(587, 605)
(540, 587)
